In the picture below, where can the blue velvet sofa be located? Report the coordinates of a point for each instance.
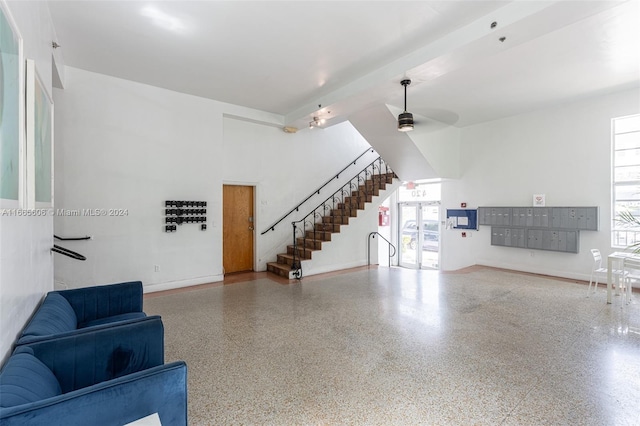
(111, 376)
(70, 312)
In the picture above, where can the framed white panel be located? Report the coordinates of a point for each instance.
(39, 137)
(12, 155)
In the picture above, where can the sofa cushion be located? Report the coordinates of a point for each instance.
(54, 316)
(26, 379)
(114, 318)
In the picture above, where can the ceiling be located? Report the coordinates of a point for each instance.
(300, 59)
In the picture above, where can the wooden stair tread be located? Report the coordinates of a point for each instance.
(330, 224)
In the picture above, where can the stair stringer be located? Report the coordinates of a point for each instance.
(348, 248)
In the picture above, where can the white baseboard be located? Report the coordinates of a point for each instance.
(533, 270)
(331, 268)
(171, 285)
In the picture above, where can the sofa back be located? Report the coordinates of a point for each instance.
(91, 303)
(54, 316)
(79, 360)
(25, 379)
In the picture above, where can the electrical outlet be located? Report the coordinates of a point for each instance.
(156, 268)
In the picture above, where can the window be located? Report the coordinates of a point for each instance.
(626, 179)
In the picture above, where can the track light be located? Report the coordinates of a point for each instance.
(317, 122)
(405, 119)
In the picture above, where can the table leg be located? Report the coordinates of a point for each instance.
(609, 269)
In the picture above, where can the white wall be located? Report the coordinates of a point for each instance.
(285, 169)
(440, 144)
(378, 125)
(563, 152)
(26, 265)
(125, 145)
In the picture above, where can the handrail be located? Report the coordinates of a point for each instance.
(373, 235)
(68, 252)
(349, 184)
(71, 238)
(317, 191)
(357, 190)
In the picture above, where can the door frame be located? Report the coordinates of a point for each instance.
(418, 206)
(254, 255)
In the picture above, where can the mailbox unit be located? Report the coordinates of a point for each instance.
(539, 228)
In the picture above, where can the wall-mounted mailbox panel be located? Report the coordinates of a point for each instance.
(484, 216)
(573, 241)
(541, 217)
(497, 236)
(550, 240)
(518, 216)
(570, 218)
(526, 217)
(508, 237)
(517, 238)
(494, 216)
(522, 238)
(504, 216)
(536, 239)
(500, 216)
(580, 218)
(539, 228)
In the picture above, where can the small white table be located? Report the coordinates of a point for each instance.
(615, 259)
(152, 420)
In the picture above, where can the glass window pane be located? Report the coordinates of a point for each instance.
(632, 207)
(626, 178)
(627, 192)
(628, 141)
(627, 173)
(625, 238)
(627, 124)
(627, 157)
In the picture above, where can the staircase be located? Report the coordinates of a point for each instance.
(317, 229)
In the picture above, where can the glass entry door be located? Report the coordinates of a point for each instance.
(419, 235)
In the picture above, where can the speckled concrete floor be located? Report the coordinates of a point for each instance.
(401, 347)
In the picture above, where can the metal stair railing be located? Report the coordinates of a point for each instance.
(65, 251)
(357, 188)
(70, 253)
(391, 246)
(317, 191)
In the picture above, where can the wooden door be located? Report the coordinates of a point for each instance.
(237, 225)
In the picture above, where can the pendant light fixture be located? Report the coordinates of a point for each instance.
(405, 119)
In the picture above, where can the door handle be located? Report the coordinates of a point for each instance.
(251, 228)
